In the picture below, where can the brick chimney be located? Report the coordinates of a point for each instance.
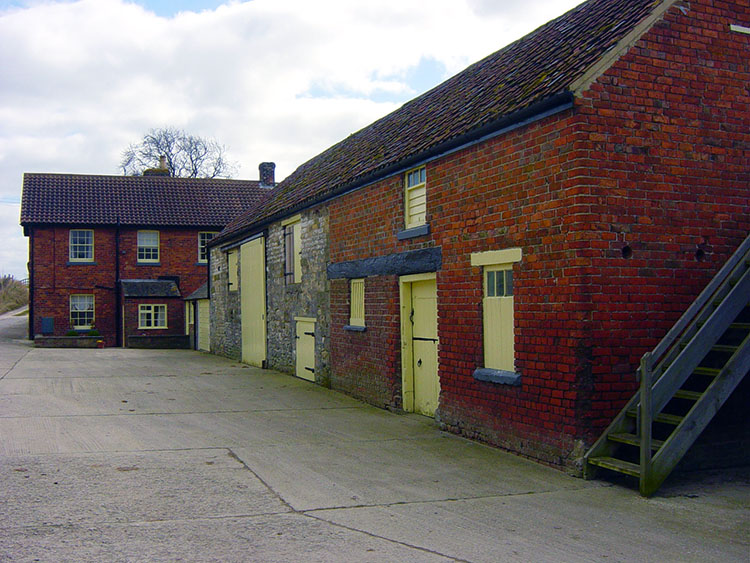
(267, 175)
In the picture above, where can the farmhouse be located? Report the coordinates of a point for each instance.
(500, 252)
(117, 254)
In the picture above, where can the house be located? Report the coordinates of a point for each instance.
(119, 253)
(500, 252)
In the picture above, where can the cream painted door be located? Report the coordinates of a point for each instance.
(305, 337)
(253, 301)
(425, 346)
(204, 325)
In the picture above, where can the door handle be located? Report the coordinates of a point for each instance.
(419, 362)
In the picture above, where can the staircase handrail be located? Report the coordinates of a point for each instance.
(697, 306)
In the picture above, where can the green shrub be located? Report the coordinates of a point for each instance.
(13, 294)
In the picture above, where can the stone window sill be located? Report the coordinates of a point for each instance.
(500, 376)
(414, 232)
(81, 263)
(354, 328)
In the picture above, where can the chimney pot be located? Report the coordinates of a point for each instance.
(267, 174)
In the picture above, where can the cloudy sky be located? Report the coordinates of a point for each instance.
(277, 80)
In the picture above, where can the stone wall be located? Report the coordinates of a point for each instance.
(284, 302)
(309, 298)
(226, 330)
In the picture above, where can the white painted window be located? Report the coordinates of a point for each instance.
(148, 246)
(152, 316)
(81, 247)
(82, 311)
(203, 238)
(357, 297)
(415, 197)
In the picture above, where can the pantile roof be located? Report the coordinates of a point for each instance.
(79, 199)
(542, 66)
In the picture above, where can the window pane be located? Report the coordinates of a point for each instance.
(509, 283)
(81, 244)
(81, 310)
(500, 278)
(491, 283)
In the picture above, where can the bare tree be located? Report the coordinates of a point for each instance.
(187, 156)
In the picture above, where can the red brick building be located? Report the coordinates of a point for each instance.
(504, 248)
(118, 253)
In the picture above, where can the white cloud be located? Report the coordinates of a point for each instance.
(273, 80)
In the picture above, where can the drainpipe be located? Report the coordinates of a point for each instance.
(118, 305)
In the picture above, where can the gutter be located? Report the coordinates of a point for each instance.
(535, 112)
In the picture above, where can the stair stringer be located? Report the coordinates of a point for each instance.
(696, 420)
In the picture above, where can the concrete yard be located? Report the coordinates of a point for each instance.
(142, 455)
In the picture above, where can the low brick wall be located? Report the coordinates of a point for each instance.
(67, 341)
(173, 341)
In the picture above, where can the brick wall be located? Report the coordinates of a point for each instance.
(368, 364)
(624, 207)
(55, 278)
(175, 316)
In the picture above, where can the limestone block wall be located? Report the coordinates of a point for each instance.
(309, 298)
(226, 328)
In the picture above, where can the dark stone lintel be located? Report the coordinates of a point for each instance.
(400, 264)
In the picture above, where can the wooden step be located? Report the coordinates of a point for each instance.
(633, 440)
(689, 395)
(712, 372)
(662, 417)
(740, 326)
(614, 464)
(724, 348)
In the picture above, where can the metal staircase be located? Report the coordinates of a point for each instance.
(683, 382)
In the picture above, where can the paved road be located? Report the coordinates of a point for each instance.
(126, 455)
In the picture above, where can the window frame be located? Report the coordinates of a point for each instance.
(143, 247)
(232, 269)
(415, 180)
(357, 302)
(92, 310)
(73, 245)
(150, 309)
(499, 355)
(203, 245)
(292, 237)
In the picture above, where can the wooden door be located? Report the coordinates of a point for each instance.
(425, 346)
(305, 338)
(253, 301)
(204, 325)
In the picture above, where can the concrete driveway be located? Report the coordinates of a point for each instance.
(128, 455)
